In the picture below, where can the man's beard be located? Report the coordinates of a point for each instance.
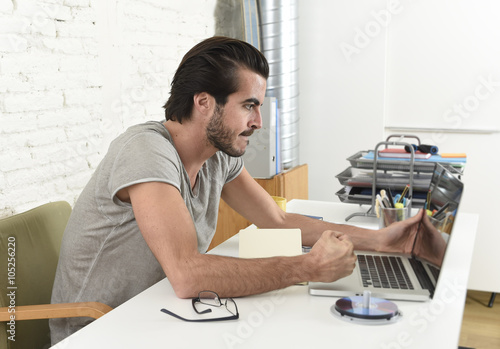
(222, 137)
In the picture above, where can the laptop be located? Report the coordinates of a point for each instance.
(401, 276)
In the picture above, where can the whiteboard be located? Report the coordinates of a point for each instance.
(443, 65)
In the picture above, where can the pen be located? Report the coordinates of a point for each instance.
(385, 199)
(441, 211)
(428, 202)
(386, 202)
(448, 221)
(391, 199)
(404, 193)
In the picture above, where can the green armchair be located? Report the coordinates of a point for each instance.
(29, 252)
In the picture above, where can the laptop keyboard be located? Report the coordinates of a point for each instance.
(384, 272)
(423, 278)
(435, 271)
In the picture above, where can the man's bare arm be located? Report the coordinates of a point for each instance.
(169, 231)
(248, 198)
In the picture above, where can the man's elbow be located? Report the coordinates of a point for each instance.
(184, 285)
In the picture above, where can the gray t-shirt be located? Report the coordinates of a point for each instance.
(103, 255)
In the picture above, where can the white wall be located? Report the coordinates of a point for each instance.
(342, 58)
(76, 73)
(442, 66)
(49, 89)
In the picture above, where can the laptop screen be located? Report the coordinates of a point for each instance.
(434, 230)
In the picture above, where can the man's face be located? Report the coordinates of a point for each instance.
(230, 126)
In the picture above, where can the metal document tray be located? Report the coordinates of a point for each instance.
(397, 180)
(350, 195)
(358, 161)
(345, 197)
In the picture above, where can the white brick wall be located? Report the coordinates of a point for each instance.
(76, 73)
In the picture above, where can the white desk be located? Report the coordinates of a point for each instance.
(290, 318)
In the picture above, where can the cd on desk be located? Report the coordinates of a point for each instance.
(364, 309)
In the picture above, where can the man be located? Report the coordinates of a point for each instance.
(150, 209)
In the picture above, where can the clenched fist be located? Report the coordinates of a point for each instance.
(332, 257)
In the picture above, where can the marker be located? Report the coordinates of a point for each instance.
(400, 211)
(427, 148)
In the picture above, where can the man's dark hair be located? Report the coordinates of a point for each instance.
(211, 66)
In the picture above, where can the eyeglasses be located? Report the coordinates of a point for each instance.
(212, 299)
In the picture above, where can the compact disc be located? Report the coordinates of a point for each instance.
(377, 308)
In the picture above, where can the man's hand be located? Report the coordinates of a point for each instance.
(430, 244)
(399, 237)
(332, 257)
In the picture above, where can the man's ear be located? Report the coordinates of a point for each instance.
(204, 103)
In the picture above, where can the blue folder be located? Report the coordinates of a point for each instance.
(433, 158)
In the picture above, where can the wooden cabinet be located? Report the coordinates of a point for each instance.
(290, 184)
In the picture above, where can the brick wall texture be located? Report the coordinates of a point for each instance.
(76, 73)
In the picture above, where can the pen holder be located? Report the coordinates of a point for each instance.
(443, 225)
(391, 215)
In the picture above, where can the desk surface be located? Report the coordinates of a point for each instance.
(291, 318)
